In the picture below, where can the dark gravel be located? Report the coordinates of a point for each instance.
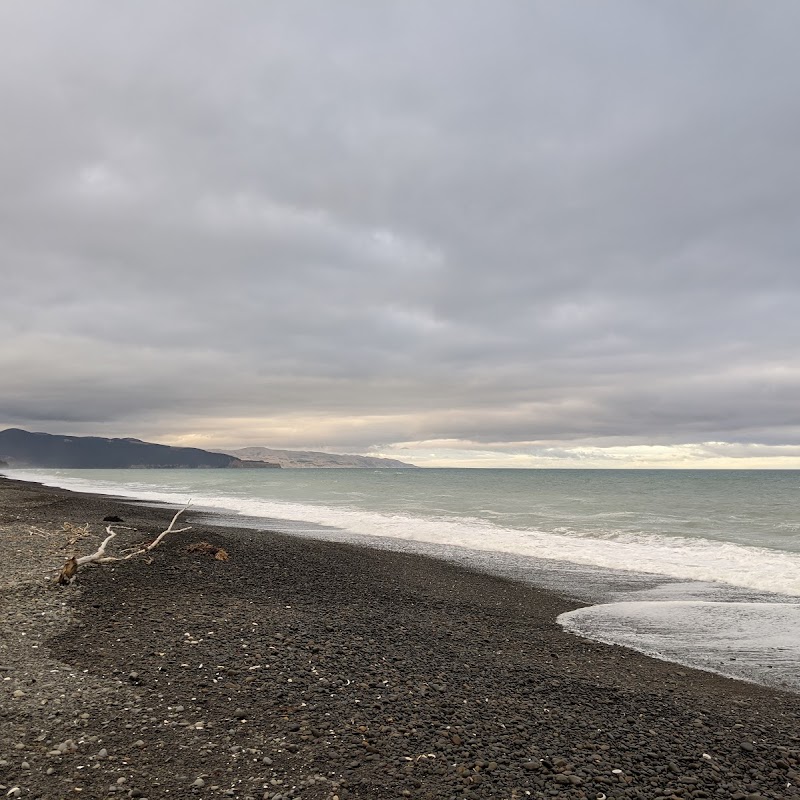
(300, 669)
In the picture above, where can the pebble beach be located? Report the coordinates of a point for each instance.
(321, 670)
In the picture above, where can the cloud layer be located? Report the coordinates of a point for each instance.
(516, 229)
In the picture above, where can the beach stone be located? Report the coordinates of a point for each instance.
(198, 783)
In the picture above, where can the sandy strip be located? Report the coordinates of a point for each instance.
(303, 669)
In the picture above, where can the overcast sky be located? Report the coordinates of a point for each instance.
(479, 233)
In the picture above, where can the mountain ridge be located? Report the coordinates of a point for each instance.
(313, 459)
(20, 448)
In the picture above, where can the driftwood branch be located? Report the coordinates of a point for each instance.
(157, 541)
(100, 556)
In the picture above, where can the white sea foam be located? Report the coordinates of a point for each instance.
(751, 641)
(677, 557)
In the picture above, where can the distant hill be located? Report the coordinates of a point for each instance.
(20, 448)
(309, 458)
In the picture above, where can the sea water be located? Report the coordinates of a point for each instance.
(698, 567)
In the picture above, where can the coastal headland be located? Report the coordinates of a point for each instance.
(309, 669)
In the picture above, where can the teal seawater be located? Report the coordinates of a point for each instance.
(758, 507)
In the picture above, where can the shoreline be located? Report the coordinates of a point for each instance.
(756, 658)
(314, 669)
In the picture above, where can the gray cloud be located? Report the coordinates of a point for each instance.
(507, 225)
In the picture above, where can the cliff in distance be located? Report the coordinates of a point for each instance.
(20, 448)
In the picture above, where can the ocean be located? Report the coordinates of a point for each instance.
(700, 567)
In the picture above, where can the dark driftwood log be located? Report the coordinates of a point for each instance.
(68, 571)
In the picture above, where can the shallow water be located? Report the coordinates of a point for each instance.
(739, 639)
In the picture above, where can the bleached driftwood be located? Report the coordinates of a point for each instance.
(157, 541)
(100, 556)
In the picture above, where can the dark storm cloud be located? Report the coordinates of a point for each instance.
(504, 224)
